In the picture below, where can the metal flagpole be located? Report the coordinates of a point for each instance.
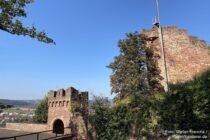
(162, 47)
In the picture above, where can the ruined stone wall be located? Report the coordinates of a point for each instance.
(83, 100)
(27, 127)
(185, 55)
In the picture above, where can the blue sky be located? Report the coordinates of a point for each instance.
(86, 34)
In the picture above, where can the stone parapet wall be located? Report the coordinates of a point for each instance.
(27, 127)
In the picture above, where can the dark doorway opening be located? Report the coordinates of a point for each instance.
(58, 127)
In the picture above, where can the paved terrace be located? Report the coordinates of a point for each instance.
(10, 133)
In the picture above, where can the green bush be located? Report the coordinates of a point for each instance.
(100, 117)
(185, 107)
(132, 116)
(41, 112)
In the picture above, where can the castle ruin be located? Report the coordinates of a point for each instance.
(61, 107)
(185, 55)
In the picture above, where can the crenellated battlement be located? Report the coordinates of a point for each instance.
(61, 103)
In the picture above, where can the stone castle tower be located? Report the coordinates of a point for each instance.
(185, 55)
(60, 109)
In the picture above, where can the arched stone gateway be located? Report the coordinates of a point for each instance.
(58, 127)
(60, 112)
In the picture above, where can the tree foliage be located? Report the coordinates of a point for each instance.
(134, 116)
(3, 106)
(135, 68)
(41, 112)
(185, 107)
(10, 13)
(138, 114)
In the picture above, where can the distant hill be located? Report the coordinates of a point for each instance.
(20, 103)
(110, 101)
(32, 103)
